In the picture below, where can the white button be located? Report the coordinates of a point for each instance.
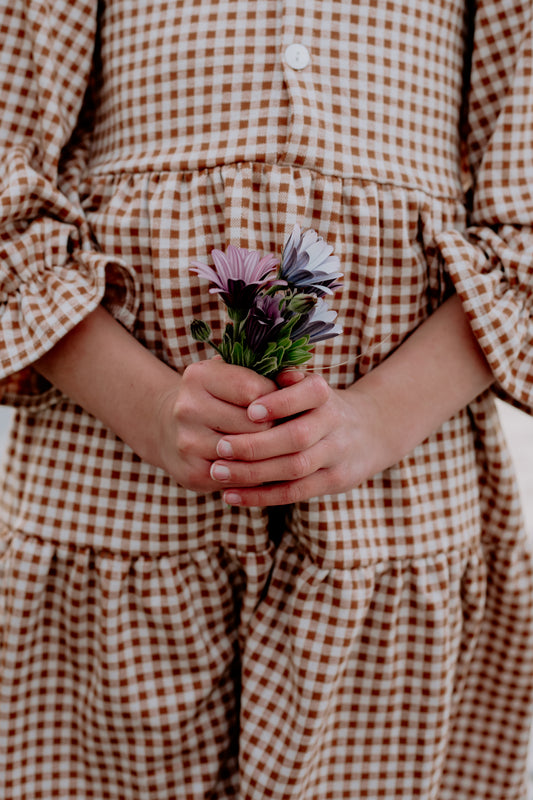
(297, 56)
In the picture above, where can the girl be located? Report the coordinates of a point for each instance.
(214, 585)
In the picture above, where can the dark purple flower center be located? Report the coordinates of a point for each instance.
(264, 321)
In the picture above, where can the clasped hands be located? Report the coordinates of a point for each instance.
(220, 427)
(261, 443)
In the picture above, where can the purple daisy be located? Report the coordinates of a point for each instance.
(307, 263)
(238, 276)
(263, 323)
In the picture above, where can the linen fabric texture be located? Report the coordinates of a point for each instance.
(154, 642)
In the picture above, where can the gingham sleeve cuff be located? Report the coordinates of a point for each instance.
(52, 273)
(43, 309)
(494, 283)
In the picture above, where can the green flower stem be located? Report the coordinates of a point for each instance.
(215, 347)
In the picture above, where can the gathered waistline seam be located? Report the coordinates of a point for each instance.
(363, 179)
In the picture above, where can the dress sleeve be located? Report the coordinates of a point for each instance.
(491, 264)
(52, 273)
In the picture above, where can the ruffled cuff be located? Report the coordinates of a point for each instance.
(493, 281)
(41, 311)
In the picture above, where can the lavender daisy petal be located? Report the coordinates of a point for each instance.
(308, 264)
(291, 246)
(239, 275)
(204, 271)
(318, 324)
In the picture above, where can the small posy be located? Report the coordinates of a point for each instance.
(275, 318)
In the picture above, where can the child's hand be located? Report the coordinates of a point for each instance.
(326, 441)
(171, 421)
(209, 400)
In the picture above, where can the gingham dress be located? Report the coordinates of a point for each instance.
(155, 643)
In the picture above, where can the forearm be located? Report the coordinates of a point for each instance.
(436, 372)
(170, 420)
(104, 369)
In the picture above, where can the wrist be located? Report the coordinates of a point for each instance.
(434, 374)
(105, 370)
(384, 425)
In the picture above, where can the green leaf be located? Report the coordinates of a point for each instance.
(237, 354)
(298, 353)
(267, 367)
(302, 342)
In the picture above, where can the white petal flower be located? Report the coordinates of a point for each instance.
(307, 263)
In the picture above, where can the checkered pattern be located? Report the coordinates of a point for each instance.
(155, 643)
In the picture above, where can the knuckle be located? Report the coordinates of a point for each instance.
(194, 371)
(185, 443)
(301, 465)
(249, 389)
(336, 479)
(248, 450)
(245, 384)
(285, 405)
(301, 437)
(246, 447)
(319, 387)
(242, 395)
(288, 494)
(183, 408)
(197, 479)
(252, 477)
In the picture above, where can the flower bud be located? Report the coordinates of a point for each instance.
(302, 303)
(200, 331)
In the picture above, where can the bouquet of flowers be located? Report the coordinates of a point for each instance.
(276, 308)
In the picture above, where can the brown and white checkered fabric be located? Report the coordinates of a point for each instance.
(155, 643)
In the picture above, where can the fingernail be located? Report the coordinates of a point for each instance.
(220, 473)
(257, 412)
(232, 498)
(224, 449)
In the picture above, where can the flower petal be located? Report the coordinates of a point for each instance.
(206, 272)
